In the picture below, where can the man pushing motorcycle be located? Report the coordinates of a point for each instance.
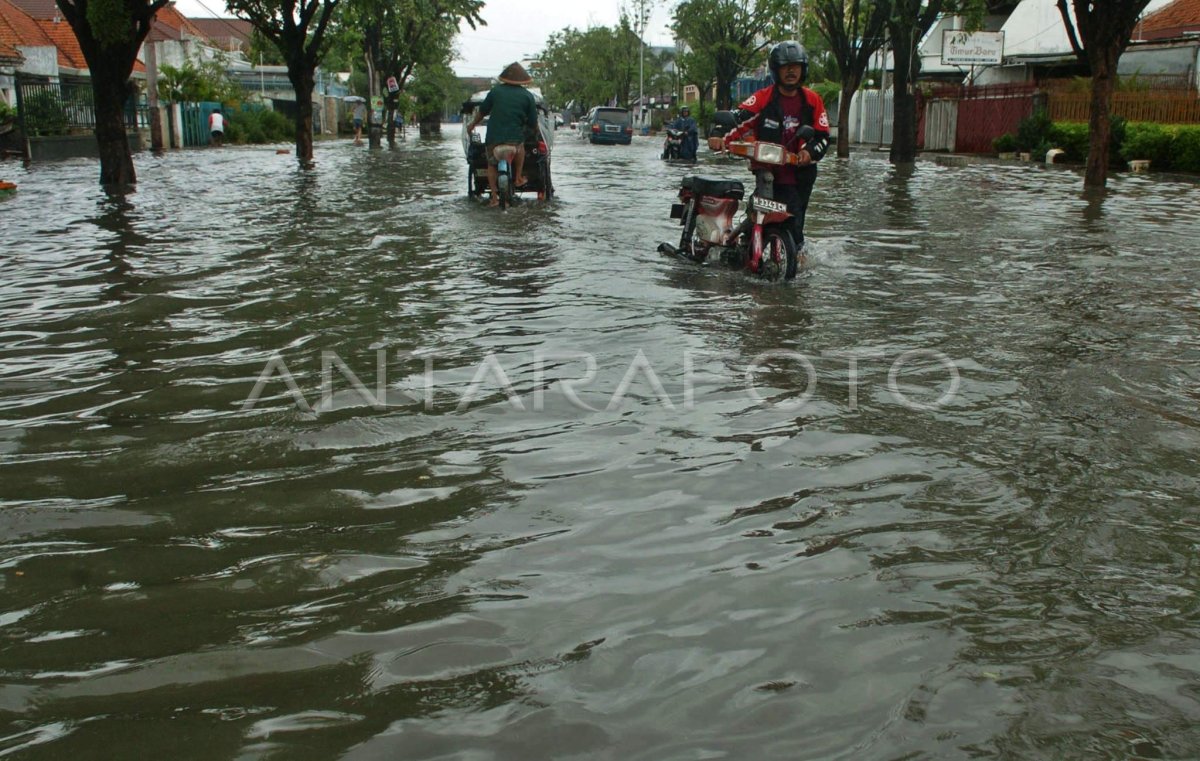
(775, 114)
(687, 125)
(513, 114)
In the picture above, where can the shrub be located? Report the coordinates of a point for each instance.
(1116, 137)
(1186, 149)
(1006, 143)
(1072, 137)
(1148, 141)
(258, 126)
(1033, 131)
(44, 114)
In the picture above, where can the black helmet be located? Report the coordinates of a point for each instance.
(784, 53)
(685, 110)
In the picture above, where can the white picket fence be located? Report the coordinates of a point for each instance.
(871, 118)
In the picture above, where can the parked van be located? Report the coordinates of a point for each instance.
(607, 125)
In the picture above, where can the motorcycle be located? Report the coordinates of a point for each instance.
(761, 243)
(673, 144)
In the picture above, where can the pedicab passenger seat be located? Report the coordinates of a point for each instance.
(709, 186)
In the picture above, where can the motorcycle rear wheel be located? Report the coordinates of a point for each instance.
(779, 259)
(689, 244)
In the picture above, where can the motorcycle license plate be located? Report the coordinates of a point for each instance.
(763, 204)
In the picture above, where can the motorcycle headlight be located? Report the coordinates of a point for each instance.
(768, 153)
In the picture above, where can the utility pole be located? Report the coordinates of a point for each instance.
(156, 137)
(800, 21)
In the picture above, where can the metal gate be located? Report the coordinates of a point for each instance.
(986, 113)
(59, 107)
(195, 122)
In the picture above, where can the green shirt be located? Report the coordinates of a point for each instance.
(511, 112)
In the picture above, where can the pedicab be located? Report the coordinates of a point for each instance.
(538, 143)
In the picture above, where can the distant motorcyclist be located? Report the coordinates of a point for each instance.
(691, 135)
(513, 115)
(775, 114)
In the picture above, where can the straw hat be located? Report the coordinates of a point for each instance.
(515, 74)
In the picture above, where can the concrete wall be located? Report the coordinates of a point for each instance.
(42, 61)
(8, 87)
(71, 147)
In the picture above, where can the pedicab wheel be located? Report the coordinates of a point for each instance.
(779, 255)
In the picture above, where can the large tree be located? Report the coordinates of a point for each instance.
(733, 33)
(297, 28)
(907, 25)
(110, 33)
(854, 31)
(1099, 34)
(586, 68)
(398, 36)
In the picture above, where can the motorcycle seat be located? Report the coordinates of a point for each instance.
(709, 186)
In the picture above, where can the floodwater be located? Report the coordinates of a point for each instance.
(935, 499)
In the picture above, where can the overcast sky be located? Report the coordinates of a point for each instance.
(516, 29)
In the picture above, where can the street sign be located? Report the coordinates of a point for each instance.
(961, 48)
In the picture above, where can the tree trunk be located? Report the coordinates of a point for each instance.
(849, 87)
(303, 84)
(1104, 68)
(904, 105)
(110, 90)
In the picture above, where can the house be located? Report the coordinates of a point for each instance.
(1036, 45)
(1179, 19)
(228, 34)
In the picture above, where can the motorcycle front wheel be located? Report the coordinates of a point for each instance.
(779, 259)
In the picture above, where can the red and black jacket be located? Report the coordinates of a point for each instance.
(762, 114)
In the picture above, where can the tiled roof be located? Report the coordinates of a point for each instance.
(223, 30)
(171, 16)
(1171, 21)
(18, 29)
(70, 55)
(39, 9)
(9, 54)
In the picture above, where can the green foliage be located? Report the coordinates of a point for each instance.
(1148, 141)
(257, 126)
(1006, 143)
(6, 113)
(263, 51)
(435, 88)
(734, 34)
(1186, 149)
(110, 21)
(192, 84)
(1033, 131)
(1116, 137)
(44, 113)
(1072, 137)
(588, 68)
(829, 91)
(1167, 147)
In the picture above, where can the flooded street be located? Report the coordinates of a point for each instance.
(934, 499)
